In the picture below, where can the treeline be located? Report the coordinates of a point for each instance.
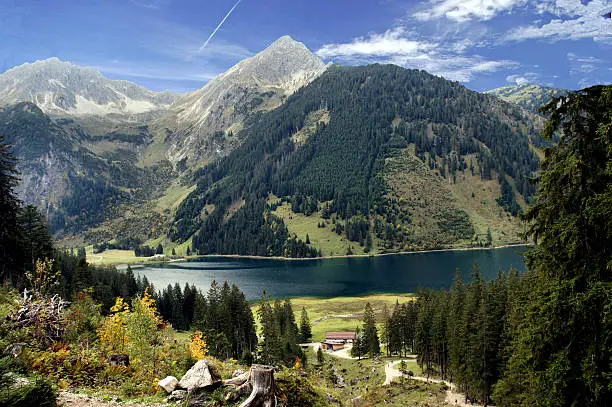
(252, 230)
(147, 251)
(280, 333)
(103, 283)
(543, 339)
(342, 162)
(223, 315)
(464, 334)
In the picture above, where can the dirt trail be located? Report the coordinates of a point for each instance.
(67, 399)
(452, 397)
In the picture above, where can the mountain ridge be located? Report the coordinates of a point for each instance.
(63, 88)
(201, 123)
(353, 149)
(528, 96)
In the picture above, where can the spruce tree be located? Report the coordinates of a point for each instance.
(370, 332)
(10, 257)
(36, 240)
(305, 328)
(564, 343)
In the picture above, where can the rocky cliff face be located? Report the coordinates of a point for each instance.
(44, 150)
(61, 88)
(203, 124)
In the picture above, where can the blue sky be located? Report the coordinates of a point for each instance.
(159, 43)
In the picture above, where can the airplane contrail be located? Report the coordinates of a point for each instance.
(219, 26)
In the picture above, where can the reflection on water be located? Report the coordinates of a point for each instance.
(336, 277)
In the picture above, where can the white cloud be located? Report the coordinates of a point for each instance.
(588, 70)
(393, 47)
(524, 79)
(465, 10)
(390, 43)
(573, 20)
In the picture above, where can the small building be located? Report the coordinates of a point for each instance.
(332, 345)
(343, 337)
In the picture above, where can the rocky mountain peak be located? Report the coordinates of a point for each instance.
(61, 88)
(259, 83)
(286, 64)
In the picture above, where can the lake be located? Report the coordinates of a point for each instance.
(398, 273)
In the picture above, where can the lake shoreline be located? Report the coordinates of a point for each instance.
(278, 258)
(245, 256)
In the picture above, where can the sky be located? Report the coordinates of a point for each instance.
(181, 44)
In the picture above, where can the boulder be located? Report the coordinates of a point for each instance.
(169, 384)
(178, 395)
(200, 376)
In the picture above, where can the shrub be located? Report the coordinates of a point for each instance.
(20, 392)
(296, 391)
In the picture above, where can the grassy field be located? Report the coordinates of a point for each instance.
(112, 256)
(330, 243)
(482, 207)
(173, 196)
(411, 393)
(339, 314)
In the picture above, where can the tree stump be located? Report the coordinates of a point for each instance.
(264, 388)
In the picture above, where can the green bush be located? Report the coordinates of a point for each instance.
(16, 392)
(294, 390)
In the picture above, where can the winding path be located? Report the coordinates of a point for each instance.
(452, 397)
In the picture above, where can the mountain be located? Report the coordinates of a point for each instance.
(529, 96)
(77, 185)
(92, 150)
(204, 124)
(367, 159)
(62, 88)
(279, 156)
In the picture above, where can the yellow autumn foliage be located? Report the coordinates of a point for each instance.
(198, 346)
(112, 333)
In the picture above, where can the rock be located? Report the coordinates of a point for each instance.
(15, 350)
(119, 360)
(200, 376)
(169, 384)
(178, 395)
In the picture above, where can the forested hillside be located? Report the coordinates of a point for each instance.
(76, 178)
(328, 152)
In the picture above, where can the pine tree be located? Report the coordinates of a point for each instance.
(564, 342)
(36, 242)
(305, 329)
(359, 348)
(386, 319)
(10, 209)
(320, 357)
(370, 332)
(457, 330)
